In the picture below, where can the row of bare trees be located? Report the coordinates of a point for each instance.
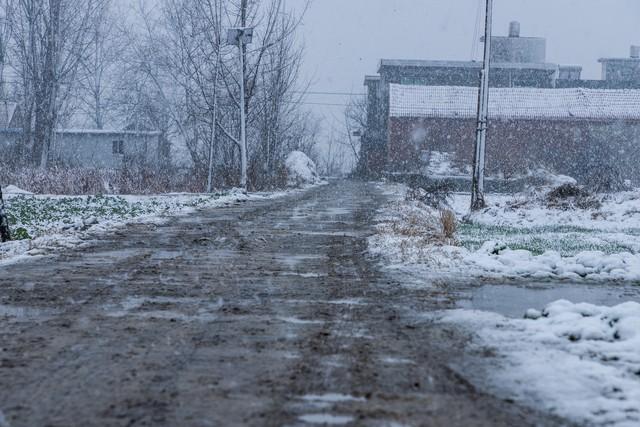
(160, 65)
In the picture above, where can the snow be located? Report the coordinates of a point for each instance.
(48, 222)
(12, 189)
(441, 164)
(579, 361)
(301, 170)
(515, 237)
(514, 103)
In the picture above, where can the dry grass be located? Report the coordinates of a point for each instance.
(449, 223)
(87, 181)
(421, 224)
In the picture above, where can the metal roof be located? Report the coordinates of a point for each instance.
(515, 103)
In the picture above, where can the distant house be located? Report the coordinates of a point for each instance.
(88, 147)
(106, 148)
(563, 129)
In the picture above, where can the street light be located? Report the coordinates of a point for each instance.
(240, 37)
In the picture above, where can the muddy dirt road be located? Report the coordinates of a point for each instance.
(267, 313)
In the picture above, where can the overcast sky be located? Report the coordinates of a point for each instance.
(345, 39)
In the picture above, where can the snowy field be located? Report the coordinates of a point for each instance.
(40, 223)
(517, 236)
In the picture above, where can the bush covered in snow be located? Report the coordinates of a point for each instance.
(301, 170)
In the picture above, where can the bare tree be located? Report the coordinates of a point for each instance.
(99, 66)
(52, 37)
(6, 18)
(355, 121)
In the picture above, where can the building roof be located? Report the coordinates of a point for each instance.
(114, 132)
(464, 64)
(515, 103)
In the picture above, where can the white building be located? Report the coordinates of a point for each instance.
(90, 148)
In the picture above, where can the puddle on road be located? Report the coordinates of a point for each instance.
(326, 419)
(21, 314)
(332, 398)
(397, 361)
(293, 261)
(336, 211)
(296, 321)
(513, 301)
(166, 308)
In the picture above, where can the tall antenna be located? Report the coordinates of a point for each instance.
(477, 185)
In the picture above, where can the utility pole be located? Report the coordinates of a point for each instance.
(477, 185)
(5, 233)
(242, 36)
(243, 118)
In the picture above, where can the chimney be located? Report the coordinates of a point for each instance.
(514, 29)
(635, 52)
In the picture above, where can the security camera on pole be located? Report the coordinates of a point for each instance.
(241, 37)
(477, 186)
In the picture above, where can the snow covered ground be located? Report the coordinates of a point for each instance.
(578, 361)
(41, 222)
(515, 237)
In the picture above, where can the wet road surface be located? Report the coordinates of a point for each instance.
(265, 313)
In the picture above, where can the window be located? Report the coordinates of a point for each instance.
(118, 147)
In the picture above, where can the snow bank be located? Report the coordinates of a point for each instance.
(301, 170)
(579, 361)
(494, 259)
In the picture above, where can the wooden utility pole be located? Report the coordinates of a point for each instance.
(477, 185)
(5, 233)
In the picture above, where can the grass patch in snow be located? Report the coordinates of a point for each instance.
(33, 216)
(567, 240)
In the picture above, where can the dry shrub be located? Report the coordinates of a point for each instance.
(572, 196)
(90, 181)
(449, 223)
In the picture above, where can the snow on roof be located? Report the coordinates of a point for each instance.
(422, 63)
(514, 103)
(107, 132)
